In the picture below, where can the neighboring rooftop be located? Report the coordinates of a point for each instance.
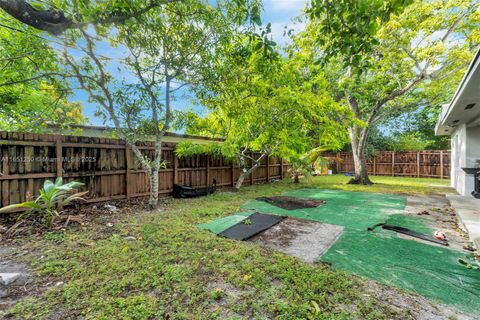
(108, 132)
(465, 105)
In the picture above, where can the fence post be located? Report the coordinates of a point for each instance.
(374, 165)
(253, 171)
(59, 159)
(208, 169)
(393, 163)
(127, 169)
(5, 173)
(339, 168)
(175, 167)
(281, 168)
(418, 164)
(232, 173)
(441, 164)
(268, 169)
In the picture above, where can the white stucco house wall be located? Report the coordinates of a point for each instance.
(461, 120)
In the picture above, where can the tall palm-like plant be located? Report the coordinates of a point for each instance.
(53, 196)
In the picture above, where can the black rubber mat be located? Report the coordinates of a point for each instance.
(251, 226)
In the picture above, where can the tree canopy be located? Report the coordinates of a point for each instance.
(32, 105)
(358, 67)
(265, 103)
(350, 26)
(417, 58)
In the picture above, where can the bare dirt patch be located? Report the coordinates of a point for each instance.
(304, 239)
(410, 305)
(437, 211)
(292, 203)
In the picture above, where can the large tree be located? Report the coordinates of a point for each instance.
(264, 103)
(160, 48)
(167, 48)
(417, 57)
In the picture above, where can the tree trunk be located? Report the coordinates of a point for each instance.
(361, 169)
(240, 180)
(153, 201)
(358, 150)
(296, 177)
(245, 172)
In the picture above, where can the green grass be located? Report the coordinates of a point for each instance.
(176, 270)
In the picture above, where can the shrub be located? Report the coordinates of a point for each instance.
(52, 197)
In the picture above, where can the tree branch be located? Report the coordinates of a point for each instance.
(55, 21)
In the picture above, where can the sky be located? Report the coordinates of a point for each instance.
(279, 13)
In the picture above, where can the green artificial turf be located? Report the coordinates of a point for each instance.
(381, 255)
(219, 225)
(431, 271)
(354, 210)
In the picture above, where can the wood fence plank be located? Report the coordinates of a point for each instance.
(268, 168)
(251, 164)
(393, 163)
(208, 178)
(127, 171)
(418, 164)
(59, 158)
(281, 169)
(441, 165)
(399, 163)
(175, 168)
(5, 173)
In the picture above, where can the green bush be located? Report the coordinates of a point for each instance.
(52, 197)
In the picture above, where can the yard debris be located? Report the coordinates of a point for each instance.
(130, 238)
(440, 235)
(423, 213)
(14, 229)
(109, 224)
(110, 208)
(182, 191)
(411, 233)
(469, 262)
(80, 219)
(9, 278)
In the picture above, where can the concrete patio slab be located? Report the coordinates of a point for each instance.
(468, 212)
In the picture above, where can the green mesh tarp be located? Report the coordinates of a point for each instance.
(355, 210)
(428, 270)
(222, 224)
(381, 255)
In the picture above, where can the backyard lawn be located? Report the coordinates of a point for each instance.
(152, 265)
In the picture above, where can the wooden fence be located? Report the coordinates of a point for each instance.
(107, 167)
(431, 164)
